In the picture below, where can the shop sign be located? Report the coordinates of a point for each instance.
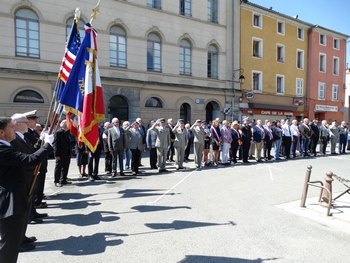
(319, 107)
(271, 112)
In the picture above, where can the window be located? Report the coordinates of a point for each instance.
(280, 28)
(213, 11)
(28, 96)
(257, 20)
(257, 81)
(118, 106)
(299, 87)
(185, 57)
(335, 43)
(185, 7)
(321, 91)
(322, 62)
(117, 47)
(280, 53)
(154, 53)
(257, 47)
(300, 59)
(279, 84)
(335, 92)
(300, 33)
(27, 34)
(212, 62)
(322, 39)
(154, 4)
(80, 25)
(335, 66)
(153, 103)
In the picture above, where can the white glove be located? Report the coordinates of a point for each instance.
(178, 123)
(42, 134)
(158, 122)
(48, 138)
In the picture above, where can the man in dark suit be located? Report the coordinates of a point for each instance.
(258, 138)
(34, 139)
(62, 151)
(14, 192)
(268, 141)
(246, 138)
(315, 134)
(171, 150)
(305, 132)
(116, 145)
(143, 134)
(190, 137)
(324, 136)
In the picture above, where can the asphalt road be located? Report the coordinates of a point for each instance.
(219, 215)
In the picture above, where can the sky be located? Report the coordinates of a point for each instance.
(331, 14)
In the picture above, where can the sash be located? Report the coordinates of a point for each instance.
(216, 134)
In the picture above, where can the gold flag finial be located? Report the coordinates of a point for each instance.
(77, 14)
(95, 12)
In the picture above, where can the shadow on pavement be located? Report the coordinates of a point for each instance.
(212, 259)
(152, 208)
(81, 245)
(70, 196)
(179, 224)
(74, 205)
(132, 193)
(93, 218)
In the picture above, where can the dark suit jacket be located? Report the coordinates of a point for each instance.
(315, 133)
(114, 143)
(61, 144)
(13, 190)
(304, 131)
(258, 134)
(34, 139)
(246, 133)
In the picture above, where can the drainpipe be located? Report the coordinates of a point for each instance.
(233, 56)
(307, 89)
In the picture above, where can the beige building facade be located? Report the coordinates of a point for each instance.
(156, 58)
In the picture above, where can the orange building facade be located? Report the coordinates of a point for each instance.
(326, 74)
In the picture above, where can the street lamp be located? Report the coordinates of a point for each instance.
(241, 77)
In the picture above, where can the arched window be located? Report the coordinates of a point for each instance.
(80, 25)
(154, 59)
(153, 103)
(212, 62)
(27, 34)
(118, 107)
(117, 47)
(28, 96)
(185, 58)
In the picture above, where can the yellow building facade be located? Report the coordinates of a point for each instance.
(274, 51)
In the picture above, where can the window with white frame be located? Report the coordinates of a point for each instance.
(299, 87)
(279, 84)
(300, 59)
(185, 54)
(322, 39)
(27, 34)
(280, 53)
(335, 66)
(280, 27)
(322, 62)
(335, 92)
(117, 47)
(335, 43)
(257, 47)
(154, 53)
(185, 7)
(212, 62)
(321, 91)
(154, 4)
(257, 81)
(300, 33)
(257, 21)
(212, 6)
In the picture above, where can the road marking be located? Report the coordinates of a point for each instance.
(172, 188)
(270, 171)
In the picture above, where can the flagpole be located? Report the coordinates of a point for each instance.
(95, 12)
(55, 114)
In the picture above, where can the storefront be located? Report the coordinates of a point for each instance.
(272, 114)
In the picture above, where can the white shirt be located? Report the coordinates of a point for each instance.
(6, 143)
(294, 129)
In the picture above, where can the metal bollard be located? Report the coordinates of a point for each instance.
(306, 186)
(327, 195)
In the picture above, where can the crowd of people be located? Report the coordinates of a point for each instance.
(123, 144)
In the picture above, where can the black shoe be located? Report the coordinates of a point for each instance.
(66, 182)
(24, 247)
(29, 239)
(58, 184)
(34, 221)
(246, 162)
(122, 174)
(91, 179)
(38, 215)
(114, 175)
(41, 205)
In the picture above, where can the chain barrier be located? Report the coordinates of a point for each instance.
(342, 180)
